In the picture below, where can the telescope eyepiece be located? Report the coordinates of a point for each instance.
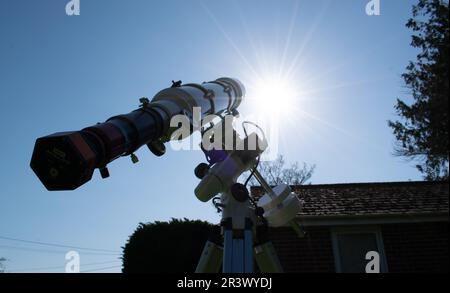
(63, 161)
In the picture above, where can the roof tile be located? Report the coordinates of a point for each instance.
(371, 198)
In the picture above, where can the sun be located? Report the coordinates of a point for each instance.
(274, 97)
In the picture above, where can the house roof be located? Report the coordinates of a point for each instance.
(367, 199)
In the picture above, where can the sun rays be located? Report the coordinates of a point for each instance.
(277, 81)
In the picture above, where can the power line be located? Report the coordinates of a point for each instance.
(99, 269)
(58, 245)
(53, 251)
(62, 267)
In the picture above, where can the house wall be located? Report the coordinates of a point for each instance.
(313, 253)
(416, 247)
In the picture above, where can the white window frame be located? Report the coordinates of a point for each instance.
(358, 230)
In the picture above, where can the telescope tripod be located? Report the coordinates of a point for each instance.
(238, 253)
(240, 223)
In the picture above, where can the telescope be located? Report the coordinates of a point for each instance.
(67, 160)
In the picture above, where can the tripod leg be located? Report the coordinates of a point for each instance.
(238, 250)
(227, 251)
(211, 258)
(248, 248)
(267, 258)
(238, 256)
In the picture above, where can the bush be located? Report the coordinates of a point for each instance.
(173, 246)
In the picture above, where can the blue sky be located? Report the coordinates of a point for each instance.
(64, 73)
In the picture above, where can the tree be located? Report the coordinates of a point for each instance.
(173, 246)
(422, 134)
(2, 266)
(276, 172)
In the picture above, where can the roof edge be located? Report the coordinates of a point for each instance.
(368, 219)
(365, 184)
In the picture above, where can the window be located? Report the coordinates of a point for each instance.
(350, 246)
